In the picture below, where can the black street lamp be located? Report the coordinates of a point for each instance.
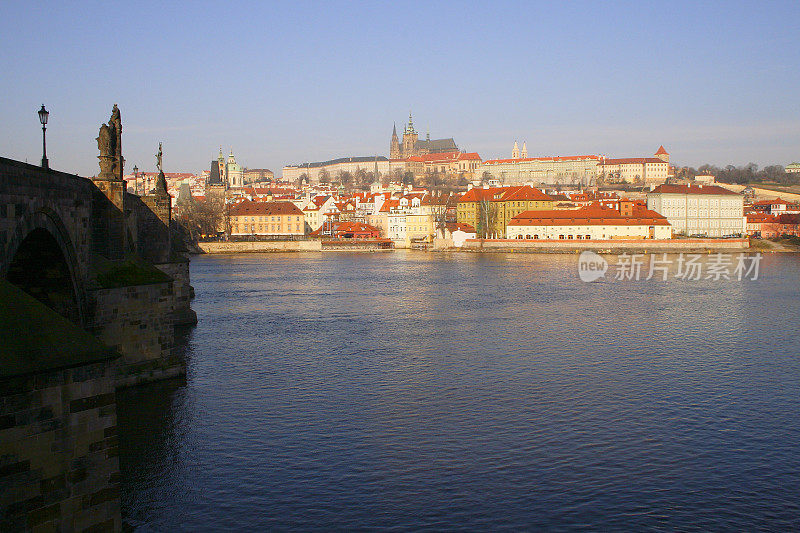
(43, 114)
(135, 179)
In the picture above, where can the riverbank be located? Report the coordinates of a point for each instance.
(607, 246)
(516, 246)
(259, 247)
(316, 245)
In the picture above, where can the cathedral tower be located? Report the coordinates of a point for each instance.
(524, 154)
(515, 151)
(410, 137)
(394, 146)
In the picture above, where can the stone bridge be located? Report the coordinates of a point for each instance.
(92, 285)
(47, 220)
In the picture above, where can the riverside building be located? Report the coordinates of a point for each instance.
(266, 219)
(592, 222)
(707, 210)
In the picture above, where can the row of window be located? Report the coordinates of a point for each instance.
(563, 237)
(263, 219)
(265, 227)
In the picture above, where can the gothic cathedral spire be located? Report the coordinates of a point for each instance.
(394, 145)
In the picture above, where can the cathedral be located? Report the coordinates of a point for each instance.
(411, 144)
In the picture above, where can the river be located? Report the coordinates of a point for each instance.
(414, 390)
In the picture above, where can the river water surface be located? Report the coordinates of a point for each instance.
(413, 390)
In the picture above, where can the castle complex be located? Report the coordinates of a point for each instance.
(412, 146)
(409, 155)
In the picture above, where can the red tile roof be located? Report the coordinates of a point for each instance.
(248, 207)
(592, 215)
(692, 189)
(760, 217)
(338, 228)
(523, 192)
(388, 205)
(773, 202)
(456, 226)
(661, 151)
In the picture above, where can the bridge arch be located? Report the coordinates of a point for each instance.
(40, 258)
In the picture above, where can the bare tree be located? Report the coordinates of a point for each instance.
(487, 218)
(203, 218)
(344, 178)
(361, 179)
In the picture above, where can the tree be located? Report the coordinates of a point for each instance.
(600, 180)
(344, 178)
(202, 218)
(397, 175)
(438, 204)
(408, 178)
(324, 176)
(361, 179)
(487, 218)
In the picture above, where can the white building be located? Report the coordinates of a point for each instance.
(547, 170)
(334, 167)
(699, 209)
(634, 170)
(593, 222)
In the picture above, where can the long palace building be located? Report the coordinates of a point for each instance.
(578, 169)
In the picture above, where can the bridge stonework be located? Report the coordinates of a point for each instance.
(129, 284)
(92, 286)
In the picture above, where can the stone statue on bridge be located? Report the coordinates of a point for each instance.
(116, 122)
(109, 142)
(106, 143)
(158, 158)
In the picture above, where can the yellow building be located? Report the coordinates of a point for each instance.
(266, 218)
(497, 206)
(420, 227)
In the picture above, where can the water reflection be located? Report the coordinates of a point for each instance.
(413, 390)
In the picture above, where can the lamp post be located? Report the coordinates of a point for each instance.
(136, 180)
(43, 114)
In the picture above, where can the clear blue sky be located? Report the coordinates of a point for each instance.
(288, 82)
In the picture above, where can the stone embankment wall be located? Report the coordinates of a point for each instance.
(137, 321)
(627, 245)
(59, 465)
(260, 246)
